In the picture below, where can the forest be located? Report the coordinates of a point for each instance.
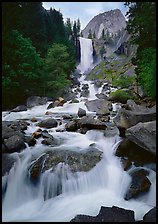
(39, 49)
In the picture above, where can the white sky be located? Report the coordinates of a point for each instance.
(85, 11)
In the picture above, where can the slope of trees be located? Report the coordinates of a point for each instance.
(29, 34)
(142, 26)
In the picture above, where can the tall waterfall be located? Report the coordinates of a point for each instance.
(86, 54)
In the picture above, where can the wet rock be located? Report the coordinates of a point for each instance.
(150, 216)
(48, 123)
(85, 87)
(34, 119)
(144, 135)
(84, 93)
(134, 152)
(71, 126)
(126, 163)
(59, 102)
(101, 96)
(140, 184)
(7, 163)
(81, 112)
(67, 116)
(19, 108)
(14, 144)
(74, 101)
(50, 106)
(91, 123)
(36, 168)
(103, 112)
(108, 214)
(48, 113)
(36, 101)
(30, 140)
(77, 161)
(37, 134)
(48, 141)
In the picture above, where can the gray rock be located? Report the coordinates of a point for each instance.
(113, 21)
(108, 214)
(150, 216)
(134, 152)
(126, 119)
(19, 108)
(7, 163)
(144, 135)
(95, 105)
(71, 126)
(48, 123)
(84, 93)
(81, 112)
(101, 96)
(140, 184)
(30, 140)
(14, 144)
(36, 101)
(91, 123)
(77, 161)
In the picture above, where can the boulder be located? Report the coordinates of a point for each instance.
(81, 112)
(134, 152)
(77, 161)
(95, 105)
(91, 123)
(19, 108)
(71, 126)
(36, 101)
(101, 96)
(150, 216)
(30, 140)
(84, 93)
(140, 184)
(48, 123)
(108, 214)
(7, 163)
(36, 168)
(14, 144)
(144, 135)
(126, 119)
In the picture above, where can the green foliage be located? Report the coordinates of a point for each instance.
(20, 66)
(142, 26)
(57, 67)
(147, 71)
(121, 95)
(123, 81)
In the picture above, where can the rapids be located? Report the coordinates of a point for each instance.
(81, 192)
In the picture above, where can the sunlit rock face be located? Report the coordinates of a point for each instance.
(111, 21)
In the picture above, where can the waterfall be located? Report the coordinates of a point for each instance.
(61, 194)
(86, 61)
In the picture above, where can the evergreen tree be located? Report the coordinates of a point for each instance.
(78, 26)
(142, 27)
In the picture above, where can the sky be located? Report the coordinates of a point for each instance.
(85, 11)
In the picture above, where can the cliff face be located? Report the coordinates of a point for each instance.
(112, 21)
(108, 33)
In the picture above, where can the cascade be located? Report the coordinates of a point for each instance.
(61, 194)
(86, 61)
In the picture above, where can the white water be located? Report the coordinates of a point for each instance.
(86, 54)
(81, 192)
